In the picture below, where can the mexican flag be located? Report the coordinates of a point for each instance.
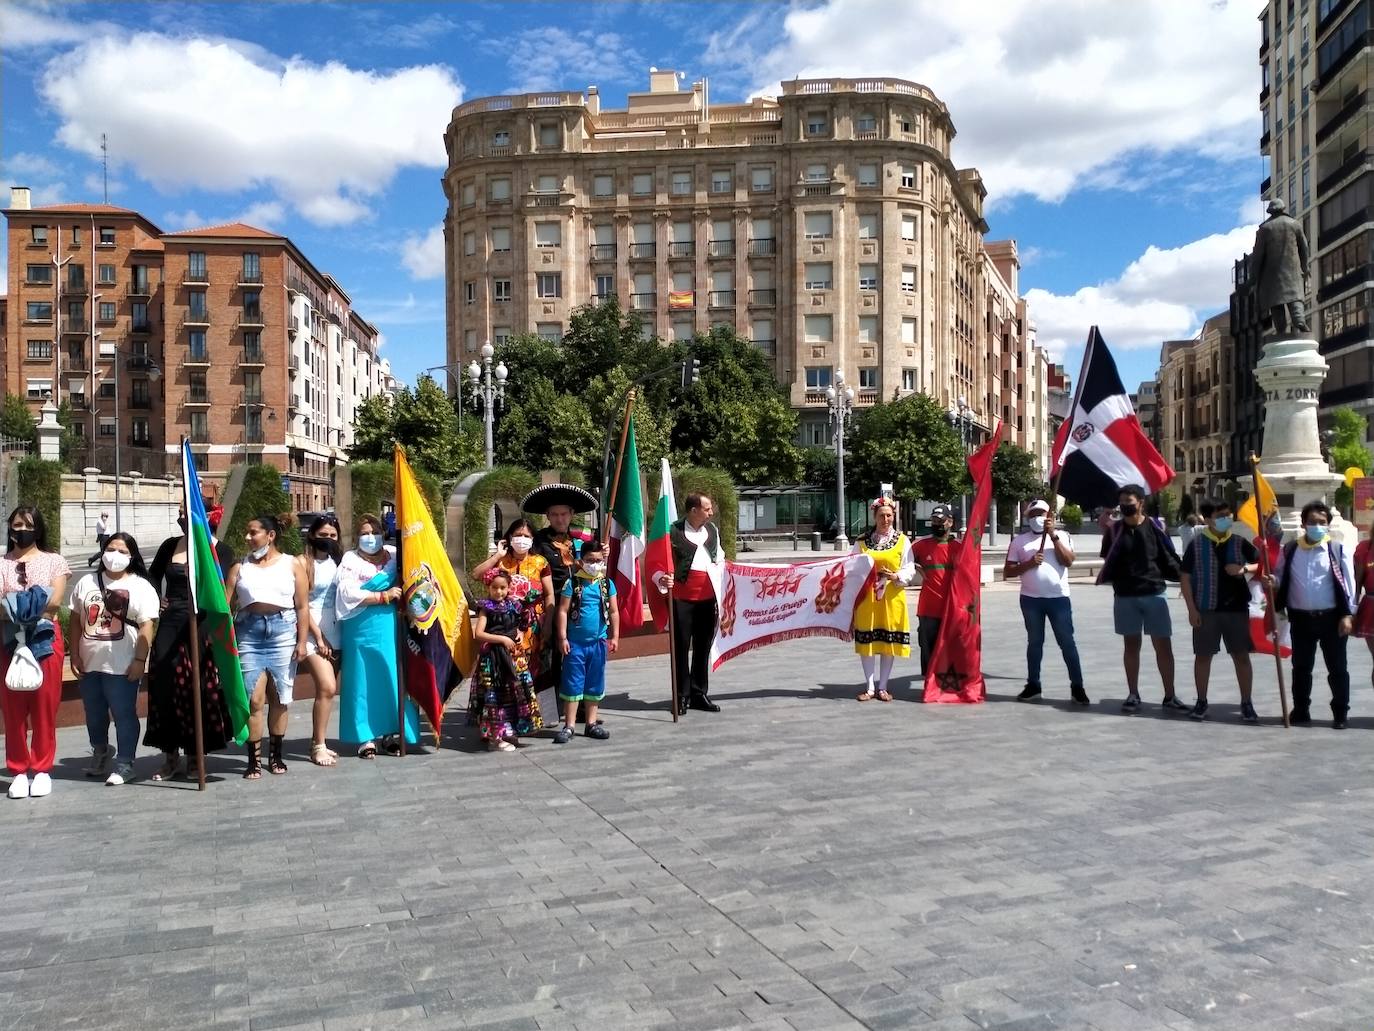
(658, 552)
(209, 600)
(626, 526)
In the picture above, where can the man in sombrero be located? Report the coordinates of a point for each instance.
(559, 542)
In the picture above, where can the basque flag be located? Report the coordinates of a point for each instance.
(1100, 447)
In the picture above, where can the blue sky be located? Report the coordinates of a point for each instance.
(1118, 141)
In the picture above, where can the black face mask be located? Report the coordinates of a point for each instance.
(1129, 510)
(181, 522)
(23, 538)
(324, 545)
(940, 531)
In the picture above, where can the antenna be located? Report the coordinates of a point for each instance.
(105, 167)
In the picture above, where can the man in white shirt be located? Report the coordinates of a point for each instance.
(696, 548)
(1316, 581)
(1041, 557)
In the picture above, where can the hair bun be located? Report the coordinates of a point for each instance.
(286, 520)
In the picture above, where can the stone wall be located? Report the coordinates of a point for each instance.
(147, 509)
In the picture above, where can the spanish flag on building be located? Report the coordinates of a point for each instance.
(678, 299)
(440, 651)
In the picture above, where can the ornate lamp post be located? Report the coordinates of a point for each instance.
(488, 392)
(839, 399)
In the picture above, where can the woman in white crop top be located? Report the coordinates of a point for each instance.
(270, 596)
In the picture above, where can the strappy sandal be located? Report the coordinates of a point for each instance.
(391, 744)
(884, 696)
(504, 746)
(867, 696)
(275, 764)
(171, 763)
(322, 756)
(367, 751)
(254, 770)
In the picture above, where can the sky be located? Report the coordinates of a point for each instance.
(1118, 141)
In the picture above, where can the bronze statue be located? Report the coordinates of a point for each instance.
(1279, 265)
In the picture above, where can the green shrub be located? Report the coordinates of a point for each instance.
(696, 480)
(40, 485)
(374, 487)
(1071, 517)
(262, 494)
(504, 481)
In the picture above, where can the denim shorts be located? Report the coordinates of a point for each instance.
(1147, 614)
(267, 644)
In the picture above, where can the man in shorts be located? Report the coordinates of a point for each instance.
(1139, 559)
(1215, 565)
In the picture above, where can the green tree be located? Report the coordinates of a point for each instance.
(819, 468)
(548, 430)
(910, 444)
(425, 420)
(1348, 449)
(1015, 478)
(70, 442)
(261, 494)
(16, 421)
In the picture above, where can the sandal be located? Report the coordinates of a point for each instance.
(254, 771)
(322, 756)
(884, 696)
(504, 746)
(171, 763)
(275, 764)
(391, 744)
(367, 751)
(867, 696)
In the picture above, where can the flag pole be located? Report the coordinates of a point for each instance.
(672, 656)
(194, 629)
(619, 463)
(1270, 611)
(401, 648)
(1073, 410)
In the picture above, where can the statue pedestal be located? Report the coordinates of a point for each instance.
(1291, 374)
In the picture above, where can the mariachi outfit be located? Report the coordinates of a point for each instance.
(502, 703)
(695, 615)
(1316, 584)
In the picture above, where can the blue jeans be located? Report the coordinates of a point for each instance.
(1059, 612)
(106, 693)
(267, 644)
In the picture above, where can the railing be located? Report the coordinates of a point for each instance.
(642, 250)
(196, 358)
(1347, 168)
(295, 324)
(811, 87)
(141, 403)
(1348, 279)
(763, 297)
(642, 302)
(603, 252)
(721, 248)
(721, 298)
(199, 436)
(250, 397)
(503, 151)
(141, 327)
(293, 363)
(762, 247)
(768, 347)
(250, 278)
(251, 319)
(252, 356)
(254, 437)
(682, 248)
(195, 318)
(544, 200)
(1348, 111)
(195, 277)
(198, 397)
(140, 440)
(816, 189)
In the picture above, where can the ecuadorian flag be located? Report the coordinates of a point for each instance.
(440, 650)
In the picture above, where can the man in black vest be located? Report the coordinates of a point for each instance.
(695, 543)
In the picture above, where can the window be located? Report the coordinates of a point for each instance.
(107, 389)
(470, 339)
(603, 186)
(138, 392)
(868, 329)
(908, 279)
(37, 389)
(817, 377)
(816, 434)
(38, 274)
(549, 284)
(868, 277)
(818, 275)
(500, 138)
(868, 377)
(195, 345)
(252, 346)
(252, 305)
(722, 181)
(552, 331)
(76, 236)
(816, 123)
(499, 189)
(548, 234)
(908, 331)
(642, 240)
(469, 195)
(866, 122)
(38, 234)
(761, 331)
(817, 173)
(909, 379)
(761, 179)
(500, 289)
(107, 236)
(550, 134)
(469, 243)
(908, 177)
(470, 292)
(868, 227)
(817, 328)
(642, 184)
(761, 237)
(909, 227)
(868, 174)
(107, 425)
(546, 184)
(500, 335)
(39, 349)
(76, 312)
(195, 268)
(38, 311)
(251, 271)
(682, 329)
(605, 287)
(138, 310)
(500, 239)
(818, 225)
(107, 274)
(907, 124)
(681, 184)
(76, 276)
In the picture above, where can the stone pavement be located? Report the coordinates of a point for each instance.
(798, 861)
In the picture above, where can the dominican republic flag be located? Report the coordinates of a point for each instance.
(1100, 447)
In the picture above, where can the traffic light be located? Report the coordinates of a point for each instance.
(691, 372)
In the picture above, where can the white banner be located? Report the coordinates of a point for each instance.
(765, 604)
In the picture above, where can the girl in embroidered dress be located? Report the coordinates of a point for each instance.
(531, 584)
(503, 704)
(882, 624)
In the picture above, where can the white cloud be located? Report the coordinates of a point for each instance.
(404, 311)
(550, 58)
(225, 116)
(27, 26)
(1165, 294)
(1045, 96)
(44, 178)
(266, 214)
(174, 221)
(423, 256)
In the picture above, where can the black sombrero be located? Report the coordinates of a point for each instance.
(541, 499)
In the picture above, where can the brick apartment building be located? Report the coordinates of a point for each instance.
(227, 335)
(828, 226)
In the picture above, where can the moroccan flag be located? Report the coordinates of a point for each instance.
(209, 600)
(440, 649)
(1101, 447)
(626, 526)
(956, 667)
(658, 552)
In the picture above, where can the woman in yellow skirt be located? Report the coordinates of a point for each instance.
(882, 624)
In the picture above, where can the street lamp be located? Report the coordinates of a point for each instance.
(962, 417)
(154, 371)
(839, 399)
(454, 370)
(488, 393)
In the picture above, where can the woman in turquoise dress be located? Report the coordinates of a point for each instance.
(367, 604)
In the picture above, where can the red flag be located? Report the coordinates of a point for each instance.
(956, 667)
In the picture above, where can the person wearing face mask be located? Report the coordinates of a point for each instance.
(171, 703)
(1217, 594)
(882, 623)
(367, 595)
(1316, 587)
(557, 542)
(113, 614)
(531, 584)
(320, 564)
(33, 585)
(935, 556)
(1138, 559)
(588, 632)
(1041, 558)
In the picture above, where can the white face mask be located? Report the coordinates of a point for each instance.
(593, 568)
(115, 561)
(369, 543)
(1036, 523)
(520, 545)
(261, 553)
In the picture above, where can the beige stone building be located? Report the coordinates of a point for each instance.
(828, 225)
(1196, 399)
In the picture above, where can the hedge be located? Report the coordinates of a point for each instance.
(374, 487)
(507, 481)
(40, 485)
(261, 494)
(716, 484)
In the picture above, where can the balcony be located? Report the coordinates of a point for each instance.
(818, 189)
(603, 252)
(140, 440)
(252, 356)
(1333, 233)
(682, 249)
(254, 436)
(1268, 182)
(763, 247)
(198, 398)
(70, 289)
(763, 298)
(294, 405)
(69, 330)
(721, 298)
(721, 249)
(293, 363)
(642, 302)
(250, 398)
(250, 279)
(1348, 280)
(141, 403)
(136, 289)
(1348, 111)
(643, 250)
(196, 277)
(768, 347)
(251, 318)
(77, 401)
(195, 319)
(140, 362)
(1264, 141)
(196, 359)
(199, 436)
(141, 328)
(1349, 167)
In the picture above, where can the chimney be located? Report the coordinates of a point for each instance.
(19, 198)
(594, 100)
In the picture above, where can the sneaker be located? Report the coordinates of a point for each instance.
(100, 761)
(1029, 693)
(19, 787)
(1338, 723)
(1131, 704)
(564, 735)
(1176, 704)
(1080, 697)
(1301, 716)
(597, 731)
(41, 786)
(1248, 713)
(121, 774)
(1199, 712)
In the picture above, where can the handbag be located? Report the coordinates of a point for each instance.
(24, 673)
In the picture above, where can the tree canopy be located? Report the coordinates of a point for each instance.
(910, 444)
(423, 419)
